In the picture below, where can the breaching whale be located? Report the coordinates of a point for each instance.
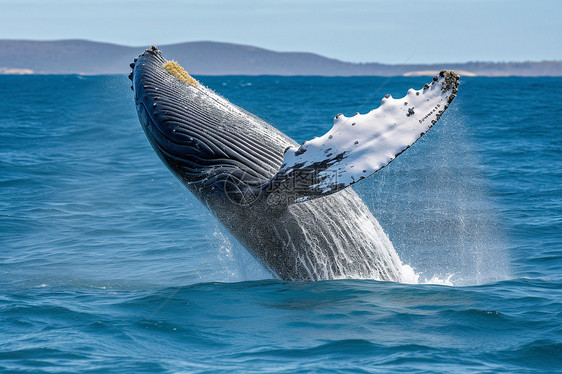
(290, 205)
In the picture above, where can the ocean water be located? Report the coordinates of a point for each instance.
(108, 264)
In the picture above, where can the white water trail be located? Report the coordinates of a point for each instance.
(233, 262)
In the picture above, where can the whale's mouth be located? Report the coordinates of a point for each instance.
(155, 89)
(157, 84)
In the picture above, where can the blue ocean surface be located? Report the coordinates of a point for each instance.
(108, 264)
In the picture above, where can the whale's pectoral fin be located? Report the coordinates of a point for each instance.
(359, 146)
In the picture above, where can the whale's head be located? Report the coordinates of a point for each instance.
(200, 136)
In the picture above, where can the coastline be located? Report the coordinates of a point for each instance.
(213, 58)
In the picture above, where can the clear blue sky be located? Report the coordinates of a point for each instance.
(390, 31)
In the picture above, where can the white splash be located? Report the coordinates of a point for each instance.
(337, 248)
(410, 276)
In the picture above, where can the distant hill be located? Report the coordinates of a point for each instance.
(213, 58)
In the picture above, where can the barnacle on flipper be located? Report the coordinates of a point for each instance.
(451, 81)
(176, 70)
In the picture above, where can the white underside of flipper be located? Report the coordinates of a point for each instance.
(358, 146)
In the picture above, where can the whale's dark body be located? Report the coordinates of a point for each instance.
(231, 161)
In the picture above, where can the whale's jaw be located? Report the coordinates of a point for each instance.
(206, 141)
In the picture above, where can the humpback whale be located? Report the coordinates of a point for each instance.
(291, 206)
